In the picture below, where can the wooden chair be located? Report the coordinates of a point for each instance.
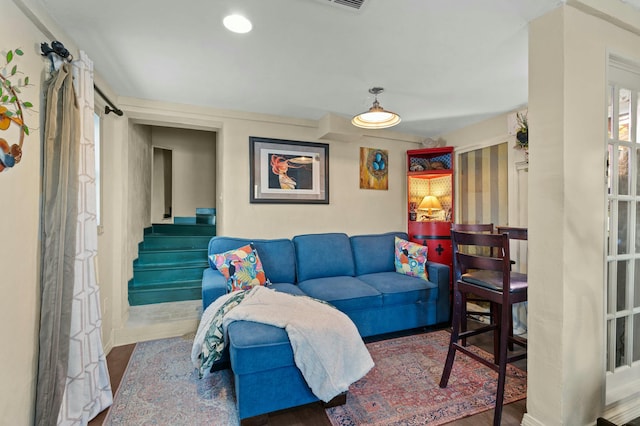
(491, 278)
(473, 227)
(515, 233)
(486, 228)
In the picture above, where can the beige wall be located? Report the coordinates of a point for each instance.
(567, 70)
(19, 247)
(139, 188)
(567, 87)
(194, 167)
(351, 209)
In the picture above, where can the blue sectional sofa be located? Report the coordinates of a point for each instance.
(355, 274)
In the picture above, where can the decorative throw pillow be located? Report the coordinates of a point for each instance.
(411, 259)
(241, 267)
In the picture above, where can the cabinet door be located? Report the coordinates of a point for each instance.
(437, 237)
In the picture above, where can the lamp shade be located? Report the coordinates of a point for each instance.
(376, 117)
(430, 203)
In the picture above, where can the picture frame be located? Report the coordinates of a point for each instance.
(374, 168)
(288, 172)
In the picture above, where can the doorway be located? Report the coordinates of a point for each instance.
(162, 185)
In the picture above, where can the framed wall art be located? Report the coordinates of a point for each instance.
(374, 168)
(283, 171)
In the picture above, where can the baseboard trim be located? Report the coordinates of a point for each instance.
(528, 420)
(130, 335)
(623, 411)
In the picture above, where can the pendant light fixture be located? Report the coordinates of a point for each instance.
(377, 117)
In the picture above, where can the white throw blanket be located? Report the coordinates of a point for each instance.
(327, 347)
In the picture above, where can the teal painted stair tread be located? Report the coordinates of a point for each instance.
(170, 257)
(206, 210)
(170, 263)
(206, 215)
(184, 219)
(183, 229)
(144, 275)
(165, 292)
(155, 241)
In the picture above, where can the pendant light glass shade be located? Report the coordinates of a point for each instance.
(377, 117)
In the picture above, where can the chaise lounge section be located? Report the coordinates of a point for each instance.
(355, 274)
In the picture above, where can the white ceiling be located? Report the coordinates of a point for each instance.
(443, 63)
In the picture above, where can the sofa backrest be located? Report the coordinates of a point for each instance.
(277, 256)
(323, 255)
(374, 253)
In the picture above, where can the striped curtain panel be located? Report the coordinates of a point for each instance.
(483, 186)
(88, 387)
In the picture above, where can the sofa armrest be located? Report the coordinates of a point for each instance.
(439, 274)
(214, 285)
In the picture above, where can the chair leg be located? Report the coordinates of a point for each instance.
(510, 342)
(463, 317)
(505, 315)
(497, 318)
(455, 327)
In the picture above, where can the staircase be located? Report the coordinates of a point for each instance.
(170, 262)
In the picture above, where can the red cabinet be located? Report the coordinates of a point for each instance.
(437, 237)
(430, 201)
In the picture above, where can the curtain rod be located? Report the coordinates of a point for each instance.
(110, 107)
(59, 49)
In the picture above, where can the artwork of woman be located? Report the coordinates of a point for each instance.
(280, 166)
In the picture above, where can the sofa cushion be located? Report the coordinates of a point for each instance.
(277, 256)
(257, 347)
(241, 267)
(374, 253)
(323, 255)
(400, 289)
(411, 258)
(288, 288)
(345, 293)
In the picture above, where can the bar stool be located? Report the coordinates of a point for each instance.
(486, 228)
(491, 278)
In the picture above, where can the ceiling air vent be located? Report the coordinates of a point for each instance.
(354, 5)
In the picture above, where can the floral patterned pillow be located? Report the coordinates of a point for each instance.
(411, 259)
(241, 267)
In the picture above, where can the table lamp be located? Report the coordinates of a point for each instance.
(430, 203)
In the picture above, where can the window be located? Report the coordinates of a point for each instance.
(97, 148)
(622, 232)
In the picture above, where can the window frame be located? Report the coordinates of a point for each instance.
(620, 377)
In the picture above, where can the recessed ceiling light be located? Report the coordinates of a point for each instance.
(237, 24)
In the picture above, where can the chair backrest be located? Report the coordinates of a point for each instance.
(520, 238)
(489, 277)
(514, 232)
(497, 244)
(472, 227)
(486, 228)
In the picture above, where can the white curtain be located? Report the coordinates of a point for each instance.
(88, 389)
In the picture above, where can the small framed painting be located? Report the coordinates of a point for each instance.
(283, 171)
(374, 168)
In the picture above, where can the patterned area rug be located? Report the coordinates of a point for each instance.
(161, 387)
(402, 389)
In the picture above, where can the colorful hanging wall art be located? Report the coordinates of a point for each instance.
(374, 168)
(11, 111)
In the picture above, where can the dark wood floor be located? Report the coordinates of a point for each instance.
(313, 414)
